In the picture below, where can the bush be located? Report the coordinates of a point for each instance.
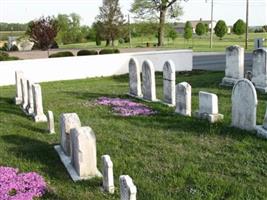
(5, 57)
(4, 47)
(121, 40)
(14, 48)
(61, 54)
(87, 52)
(239, 27)
(220, 29)
(109, 51)
(200, 29)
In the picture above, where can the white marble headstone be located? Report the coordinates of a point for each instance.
(18, 76)
(149, 85)
(183, 99)
(107, 171)
(30, 106)
(128, 190)
(51, 122)
(169, 82)
(134, 78)
(39, 115)
(24, 93)
(244, 105)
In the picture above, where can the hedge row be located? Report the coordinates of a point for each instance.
(84, 53)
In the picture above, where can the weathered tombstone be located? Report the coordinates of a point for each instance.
(127, 188)
(262, 130)
(244, 105)
(18, 76)
(258, 43)
(169, 83)
(259, 69)
(149, 85)
(234, 65)
(24, 94)
(134, 78)
(51, 122)
(68, 121)
(183, 99)
(107, 171)
(39, 115)
(83, 155)
(208, 107)
(30, 106)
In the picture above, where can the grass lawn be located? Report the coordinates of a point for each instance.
(167, 155)
(198, 44)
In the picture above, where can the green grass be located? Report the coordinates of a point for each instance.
(167, 155)
(198, 44)
(4, 34)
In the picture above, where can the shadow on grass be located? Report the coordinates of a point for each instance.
(8, 106)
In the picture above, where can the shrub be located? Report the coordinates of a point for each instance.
(61, 54)
(5, 57)
(87, 52)
(220, 29)
(200, 29)
(14, 48)
(4, 47)
(109, 51)
(121, 40)
(239, 27)
(188, 31)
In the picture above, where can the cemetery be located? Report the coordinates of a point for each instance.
(157, 131)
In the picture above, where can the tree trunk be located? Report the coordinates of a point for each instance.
(161, 27)
(107, 42)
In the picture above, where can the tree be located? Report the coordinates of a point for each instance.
(239, 27)
(43, 32)
(200, 29)
(188, 31)
(220, 29)
(171, 32)
(207, 28)
(112, 19)
(157, 9)
(264, 28)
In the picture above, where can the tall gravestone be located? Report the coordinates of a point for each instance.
(134, 78)
(149, 85)
(38, 115)
(169, 83)
(259, 69)
(24, 94)
(127, 188)
(208, 107)
(183, 99)
(107, 171)
(18, 76)
(244, 105)
(51, 122)
(83, 153)
(234, 65)
(30, 106)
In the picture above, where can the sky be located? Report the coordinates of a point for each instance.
(23, 11)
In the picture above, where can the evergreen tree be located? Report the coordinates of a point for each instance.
(220, 29)
(188, 31)
(200, 29)
(239, 27)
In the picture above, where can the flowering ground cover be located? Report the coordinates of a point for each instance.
(168, 156)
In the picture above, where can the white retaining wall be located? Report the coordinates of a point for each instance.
(43, 70)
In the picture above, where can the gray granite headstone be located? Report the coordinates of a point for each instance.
(149, 85)
(134, 78)
(183, 99)
(244, 105)
(169, 82)
(128, 190)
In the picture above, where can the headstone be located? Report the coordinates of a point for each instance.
(83, 156)
(107, 171)
(169, 83)
(68, 121)
(30, 106)
(262, 130)
(258, 43)
(18, 76)
(134, 78)
(259, 69)
(183, 99)
(24, 94)
(244, 105)
(208, 107)
(51, 122)
(39, 115)
(234, 65)
(149, 85)
(127, 188)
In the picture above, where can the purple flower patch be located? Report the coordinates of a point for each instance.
(20, 186)
(125, 107)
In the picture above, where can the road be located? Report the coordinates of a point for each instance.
(216, 61)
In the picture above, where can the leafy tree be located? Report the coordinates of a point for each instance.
(264, 28)
(188, 31)
(157, 9)
(112, 19)
(43, 32)
(171, 32)
(200, 29)
(220, 29)
(207, 29)
(239, 27)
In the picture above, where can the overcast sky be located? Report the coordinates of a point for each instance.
(229, 10)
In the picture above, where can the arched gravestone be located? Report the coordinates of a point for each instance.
(259, 69)
(183, 99)
(149, 85)
(169, 82)
(134, 78)
(244, 105)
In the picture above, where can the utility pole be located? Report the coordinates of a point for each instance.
(211, 29)
(247, 13)
(129, 29)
